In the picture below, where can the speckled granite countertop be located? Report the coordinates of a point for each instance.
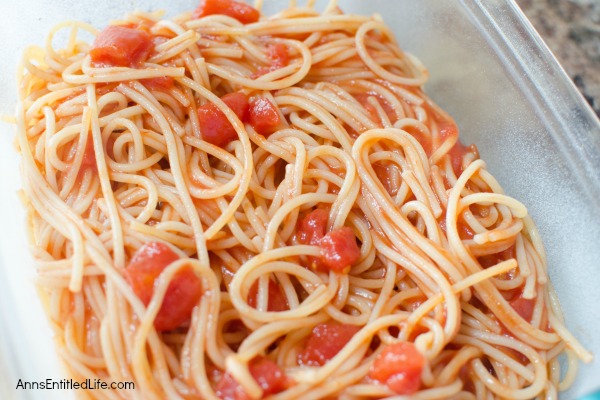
(571, 29)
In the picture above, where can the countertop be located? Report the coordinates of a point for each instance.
(571, 29)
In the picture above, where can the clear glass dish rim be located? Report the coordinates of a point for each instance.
(571, 121)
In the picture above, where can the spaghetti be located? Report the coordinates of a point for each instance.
(226, 205)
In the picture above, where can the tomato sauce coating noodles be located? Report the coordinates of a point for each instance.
(228, 205)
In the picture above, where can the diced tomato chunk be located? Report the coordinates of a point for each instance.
(277, 300)
(399, 366)
(213, 373)
(263, 116)
(279, 56)
(311, 230)
(278, 53)
(243, 12)
(228, 389)
(268, 376)
(215, 126)
(325, 341)
(312, 227)
(183, 292)
(339, 249)
(121, 47)
(159, 83)
(523, 307)
(265, 372)
(238, 102)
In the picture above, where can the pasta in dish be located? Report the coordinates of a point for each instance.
(228, 205)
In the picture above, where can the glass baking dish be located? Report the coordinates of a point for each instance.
(488, 68)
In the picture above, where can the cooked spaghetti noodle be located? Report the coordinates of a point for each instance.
(228, 205)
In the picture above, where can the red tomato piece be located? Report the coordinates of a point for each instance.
(399, 366)
(238, 102)
(228, 389)
(159, 83)
(523, 307)
(278, 53)
(311, 230)
(121, 47)
(268, 375)
(312, 227)
(215, 126)
(263, 116)
(277, 300)
(279, 56)
(325, 341)
(183, 292)
(339, 249)
(213, 373)
(243, 12)
(264, 371)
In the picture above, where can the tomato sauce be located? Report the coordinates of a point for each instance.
(458, 151)
(89, 155)
(464, 231)
(363, 98)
